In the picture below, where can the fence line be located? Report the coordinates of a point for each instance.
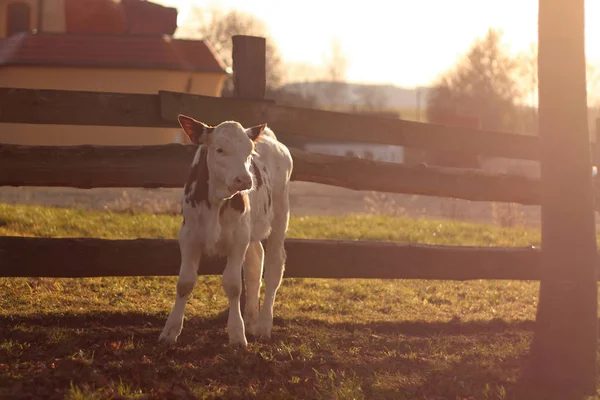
(86, 257)
(34, 106)
(167, 166)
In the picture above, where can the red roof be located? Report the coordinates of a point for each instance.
(144, 17)
(109, 51)
(95, 16)
(119, 17)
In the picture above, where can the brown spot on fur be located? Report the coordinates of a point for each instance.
(257, 174)
(239, 202)
(199, 174)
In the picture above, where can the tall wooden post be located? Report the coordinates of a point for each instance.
(564, 346)
(249, 77)
(596, 155)
(249, 66)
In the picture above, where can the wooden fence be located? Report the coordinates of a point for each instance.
(167, 165)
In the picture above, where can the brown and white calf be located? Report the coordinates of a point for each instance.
(236, 195)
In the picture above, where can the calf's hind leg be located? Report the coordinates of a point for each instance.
(274, 263)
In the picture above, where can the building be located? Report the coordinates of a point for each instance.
(124, 46)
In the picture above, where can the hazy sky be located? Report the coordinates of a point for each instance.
(403, 42)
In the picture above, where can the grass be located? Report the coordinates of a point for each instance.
(333, 339)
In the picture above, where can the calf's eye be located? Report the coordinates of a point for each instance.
(220, 151)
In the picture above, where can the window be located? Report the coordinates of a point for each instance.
(18, 18)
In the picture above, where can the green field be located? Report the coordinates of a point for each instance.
(332, 339)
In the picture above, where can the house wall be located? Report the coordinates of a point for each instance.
(54, 16)
(109, 80)
(100, 80)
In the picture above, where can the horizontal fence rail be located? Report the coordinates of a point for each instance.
(86, 257)
(168, 165)
(33, 106)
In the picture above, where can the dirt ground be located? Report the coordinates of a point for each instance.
(306, 199)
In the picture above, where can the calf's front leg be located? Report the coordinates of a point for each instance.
(188, 275)
(232, 283)
(253, 268)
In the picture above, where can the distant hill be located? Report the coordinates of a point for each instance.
(355, 94)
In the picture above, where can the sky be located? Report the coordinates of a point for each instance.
(403, 42)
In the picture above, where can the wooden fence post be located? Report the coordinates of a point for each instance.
(564, 345)
(249, 66)
(249, 80)
(596, 153)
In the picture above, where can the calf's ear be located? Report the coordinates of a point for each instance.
(254, 132)
(197, 131)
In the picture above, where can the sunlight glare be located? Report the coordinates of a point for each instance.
(404, 42)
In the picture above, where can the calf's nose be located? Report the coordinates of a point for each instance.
(243, 182)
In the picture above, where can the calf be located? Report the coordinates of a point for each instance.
(236, 195)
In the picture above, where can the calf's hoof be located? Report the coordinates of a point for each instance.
(251, 327)
(168, 336)
(236, 344)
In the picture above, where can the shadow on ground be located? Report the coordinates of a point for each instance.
(111, 354)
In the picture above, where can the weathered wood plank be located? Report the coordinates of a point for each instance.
(118, 109)
(167, 166)
(86, 257)
(95, 166)
(64, 107)
(338, 126)
(362, 174)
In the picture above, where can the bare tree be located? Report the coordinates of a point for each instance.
(301, 93)
(303, 72)
(371, 98)
(218, 27)
(482, 85)
(481, 90)
(336, 62)
(528, 76)
(528, 71)
(336, 69)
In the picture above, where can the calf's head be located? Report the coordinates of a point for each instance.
(229, 150)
